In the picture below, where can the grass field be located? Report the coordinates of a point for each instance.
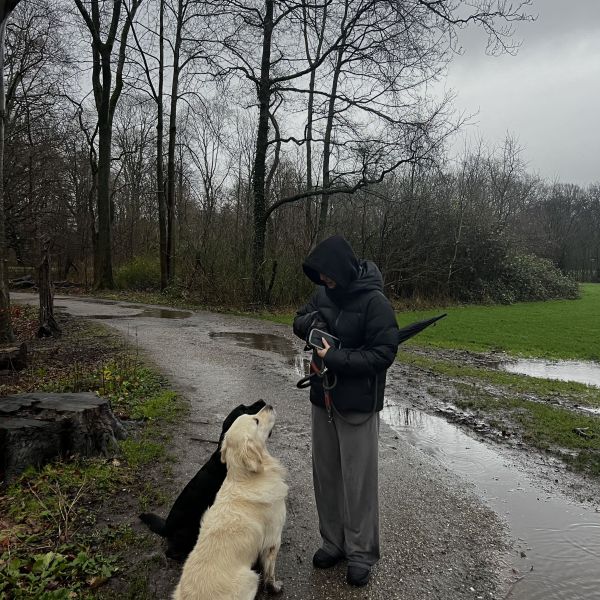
(554, 329)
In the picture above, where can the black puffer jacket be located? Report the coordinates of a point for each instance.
(357, 312)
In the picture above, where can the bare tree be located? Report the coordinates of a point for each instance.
(151, 65)
(366, 37)
(106, 97)
(6, 333)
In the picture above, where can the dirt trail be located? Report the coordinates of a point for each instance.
(438, 540)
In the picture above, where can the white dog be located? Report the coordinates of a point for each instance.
(245, 522)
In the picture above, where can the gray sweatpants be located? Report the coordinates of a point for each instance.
(345, 460)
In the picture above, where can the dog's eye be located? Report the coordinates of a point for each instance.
(257, 421)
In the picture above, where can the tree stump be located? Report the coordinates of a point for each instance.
(35, 428)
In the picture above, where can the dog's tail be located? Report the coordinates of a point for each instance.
(155, 523)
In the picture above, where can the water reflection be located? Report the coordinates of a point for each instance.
(154, 313)
(565, 370)
(260, 341)
(560, 539)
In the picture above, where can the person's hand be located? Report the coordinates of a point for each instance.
(321, 352)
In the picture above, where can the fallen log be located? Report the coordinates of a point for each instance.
(24, 282)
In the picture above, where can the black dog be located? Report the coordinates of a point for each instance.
(182, 526)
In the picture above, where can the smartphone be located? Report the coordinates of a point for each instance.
(315, 339)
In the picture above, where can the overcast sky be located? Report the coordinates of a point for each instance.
(547, 96)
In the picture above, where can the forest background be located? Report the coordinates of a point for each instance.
(202, 147)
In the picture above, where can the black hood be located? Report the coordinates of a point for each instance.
(335, 258)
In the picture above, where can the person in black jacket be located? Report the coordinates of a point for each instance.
(346, 393)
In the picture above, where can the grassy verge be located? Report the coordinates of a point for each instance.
(540, 411)
(64, 529)
(573, 436)
(548, 389)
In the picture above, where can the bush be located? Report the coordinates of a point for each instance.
(525, 278)
(142, 273)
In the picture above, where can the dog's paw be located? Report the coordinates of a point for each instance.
(274, 587)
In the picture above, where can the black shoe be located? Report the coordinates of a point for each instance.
(323, 560)
(357, 576)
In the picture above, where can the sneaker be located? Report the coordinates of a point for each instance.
(357, 576)
(323, 560)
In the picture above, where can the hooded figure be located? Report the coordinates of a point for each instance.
(349, 303)
(356, 311)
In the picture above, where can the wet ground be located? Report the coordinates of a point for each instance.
(565, 370)
(449, 503)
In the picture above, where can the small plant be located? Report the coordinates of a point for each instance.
(141, 273)
(53, 575)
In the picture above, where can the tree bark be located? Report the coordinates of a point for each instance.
(262, 139)
(6, 332)
(35, 428)
(48, 325)
(160, 169)
(171, 167)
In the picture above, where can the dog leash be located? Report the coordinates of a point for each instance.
(323, 374)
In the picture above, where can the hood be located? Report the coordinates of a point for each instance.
(369, 278)
(335, 258)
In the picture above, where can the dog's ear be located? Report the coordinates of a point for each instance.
(252, 455)
(224, 450)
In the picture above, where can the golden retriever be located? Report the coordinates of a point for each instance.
(245, 522)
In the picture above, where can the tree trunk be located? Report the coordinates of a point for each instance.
(103, 276)
(170, 242)
(262, 138)
(6, 332)
(309, 121)
(322, 225)
(160, 172)
(48, 325)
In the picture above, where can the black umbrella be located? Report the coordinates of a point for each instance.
(407, 332)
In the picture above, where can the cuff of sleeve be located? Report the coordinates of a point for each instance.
(331, 358)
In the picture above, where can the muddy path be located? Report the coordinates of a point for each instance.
(439, 540)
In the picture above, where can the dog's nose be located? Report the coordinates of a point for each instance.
(269, 407)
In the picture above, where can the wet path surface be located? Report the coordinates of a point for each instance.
(438, 539)
(557, 541)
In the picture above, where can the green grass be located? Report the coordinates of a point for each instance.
(562, 329)
(544, 388)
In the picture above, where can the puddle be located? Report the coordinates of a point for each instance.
(156, 313)
(561, 540)
(261, 341)
(565, 370)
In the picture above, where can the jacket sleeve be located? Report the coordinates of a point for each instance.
(305, 317)
(380, 347)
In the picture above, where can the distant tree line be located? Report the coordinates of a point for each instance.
(203, 147)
